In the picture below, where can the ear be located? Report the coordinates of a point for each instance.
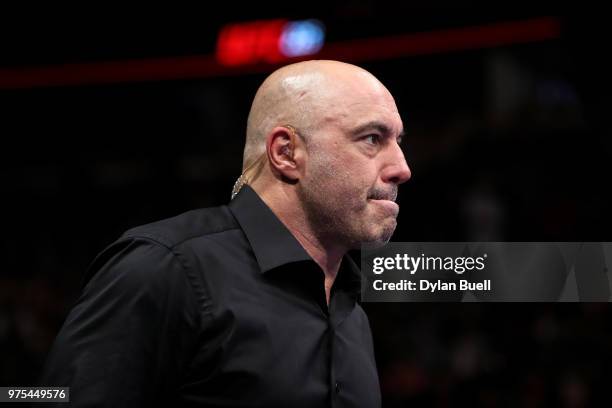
(286, 153)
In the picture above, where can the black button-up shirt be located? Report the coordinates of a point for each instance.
(218, 307)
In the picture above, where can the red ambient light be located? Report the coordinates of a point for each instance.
(250, 43)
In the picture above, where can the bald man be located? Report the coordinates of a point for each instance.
(254, 303)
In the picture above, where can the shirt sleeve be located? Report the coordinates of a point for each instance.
(127, 338)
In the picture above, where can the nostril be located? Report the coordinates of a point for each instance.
(398, 175)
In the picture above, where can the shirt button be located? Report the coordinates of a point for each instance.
(337, 388)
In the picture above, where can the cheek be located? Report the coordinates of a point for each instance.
(347, 176)
(361, 176)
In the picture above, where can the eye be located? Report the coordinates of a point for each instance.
(372, 139)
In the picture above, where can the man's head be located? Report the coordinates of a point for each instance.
(326, 134)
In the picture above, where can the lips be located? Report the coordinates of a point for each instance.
(384, 198)
(388, 206)
(383, 194)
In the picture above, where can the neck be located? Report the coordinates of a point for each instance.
(285, 205)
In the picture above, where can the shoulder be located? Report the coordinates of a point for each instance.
(171, 232)
(153, 247)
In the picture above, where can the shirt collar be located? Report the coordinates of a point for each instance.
(272, 243)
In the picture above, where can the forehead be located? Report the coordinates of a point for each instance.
(354, 109)
(361, 116)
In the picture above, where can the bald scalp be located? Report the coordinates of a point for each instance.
(300, 95)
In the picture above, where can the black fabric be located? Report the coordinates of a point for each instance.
(218, 307)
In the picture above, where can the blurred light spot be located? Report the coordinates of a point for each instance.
(303, 37)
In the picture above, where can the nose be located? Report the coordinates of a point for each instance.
(396, 170)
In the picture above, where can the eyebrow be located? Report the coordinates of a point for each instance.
(377, 125)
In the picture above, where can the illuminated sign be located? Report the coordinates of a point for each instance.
(269, 41)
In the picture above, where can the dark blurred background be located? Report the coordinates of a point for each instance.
(506, 142)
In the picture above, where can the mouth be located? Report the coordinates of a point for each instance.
(389, 206)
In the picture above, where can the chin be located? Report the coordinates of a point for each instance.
(380, 237)
(373, 244)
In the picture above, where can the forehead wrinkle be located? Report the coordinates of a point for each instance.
(385, 119)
